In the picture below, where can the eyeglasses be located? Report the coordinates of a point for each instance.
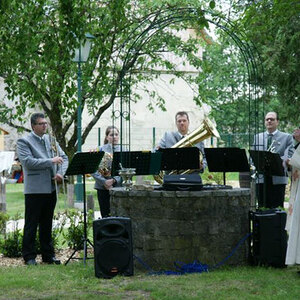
(270, 119)
(42, 123)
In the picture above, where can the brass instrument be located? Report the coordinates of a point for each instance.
(204, 131)
(55, 152)
(105, 165)
(272, 147)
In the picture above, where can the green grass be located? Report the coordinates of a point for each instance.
(77, 281)
(15, 199)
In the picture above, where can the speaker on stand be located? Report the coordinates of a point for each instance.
(113, 253)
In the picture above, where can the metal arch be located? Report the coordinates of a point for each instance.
(158, 21)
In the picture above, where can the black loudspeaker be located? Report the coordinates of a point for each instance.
(269, 237)
(113, 247)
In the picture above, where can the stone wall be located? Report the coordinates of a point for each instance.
(169, 226)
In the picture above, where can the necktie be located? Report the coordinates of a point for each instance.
(43, 143)
(270, 137)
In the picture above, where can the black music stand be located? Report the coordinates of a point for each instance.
(180, 158)
(267, 164)
(144, 162)
(226, 160)
(84, 163)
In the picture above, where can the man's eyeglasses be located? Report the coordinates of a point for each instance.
(270, 119)
(42, 123)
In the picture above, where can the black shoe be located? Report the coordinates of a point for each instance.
(53, 260)
(31, 262)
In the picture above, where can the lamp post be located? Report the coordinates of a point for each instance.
(81, 56)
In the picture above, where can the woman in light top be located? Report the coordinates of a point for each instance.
(103, 179)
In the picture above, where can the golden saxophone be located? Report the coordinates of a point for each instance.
(106, 164)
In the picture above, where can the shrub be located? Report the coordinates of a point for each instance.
(74, 235)
(11, 245)
(3, 219)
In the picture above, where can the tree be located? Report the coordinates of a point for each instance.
(223, 84)
(274, 27)
(37, 37)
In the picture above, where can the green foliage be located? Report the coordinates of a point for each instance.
(11, 244)
(223, 84)
(38, 41)
(212, 177)
(4, 217)
(274, 29)
(74, 234)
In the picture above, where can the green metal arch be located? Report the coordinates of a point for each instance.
(158, 21)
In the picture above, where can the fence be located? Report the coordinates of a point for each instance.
(148, 138)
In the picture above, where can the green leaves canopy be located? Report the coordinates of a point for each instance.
(38, 42)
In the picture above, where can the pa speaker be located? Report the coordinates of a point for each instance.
(269, 237)
(113, 247)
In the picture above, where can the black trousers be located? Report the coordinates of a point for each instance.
(274, 194)
(39, 211)
(104, 202)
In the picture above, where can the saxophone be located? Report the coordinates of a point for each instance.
(106, 164)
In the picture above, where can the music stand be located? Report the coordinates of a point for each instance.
(144, 162)
(267, 163)
(180, 158)
(84, 163)
(226, 160)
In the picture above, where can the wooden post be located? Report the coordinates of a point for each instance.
(2, 194)
(70, 194)
(90, 202)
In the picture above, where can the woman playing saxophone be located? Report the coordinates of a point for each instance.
(103, 179)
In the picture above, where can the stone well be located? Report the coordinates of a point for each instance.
(169, 226)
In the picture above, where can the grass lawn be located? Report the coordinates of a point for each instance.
(15, 199)
(77, 281)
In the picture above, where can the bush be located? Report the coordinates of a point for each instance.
(11, 245)
(74, 235)
(3, 219)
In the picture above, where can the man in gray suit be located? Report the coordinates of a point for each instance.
(44, 163)
(279, 142)
(171, 138)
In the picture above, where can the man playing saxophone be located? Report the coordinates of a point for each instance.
(279, 142)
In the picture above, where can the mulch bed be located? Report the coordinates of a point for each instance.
(62, 254)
